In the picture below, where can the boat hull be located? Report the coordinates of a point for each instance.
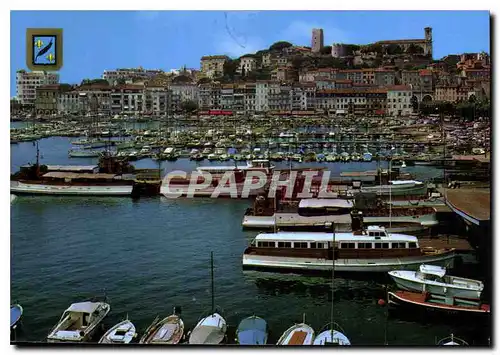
(109, 338)
(421, 301)
(70, 190)
(345, 265)
(209, 330)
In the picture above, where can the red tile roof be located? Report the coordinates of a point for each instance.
(399, 88)
(207, 57)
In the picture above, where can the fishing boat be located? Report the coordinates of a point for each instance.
(262, 165)
(74, 180)
(252, 331)
(398, 187)
(83, 153)
(169, 330)
(169, 154)
(212, 328)
(452, 340)
(79, 322)
(433, 279)
(418, 301)
(16, 312)
(121, 333)
(367, 156)
(332, 334)
(369, 250)
(298, 334)
(212, 157)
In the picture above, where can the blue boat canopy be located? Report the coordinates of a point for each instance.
(252, 331)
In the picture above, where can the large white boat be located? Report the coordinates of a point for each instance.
(370, 250)
(315, 214)
(65, 183)
(79, 322)
(433, 279)
(262, 165)
(398, 188)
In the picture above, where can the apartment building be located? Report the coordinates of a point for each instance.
(247, 64)
(28, 82)
(399, 100)
(213, 66)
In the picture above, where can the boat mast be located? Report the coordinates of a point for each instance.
(212, 277)
(333, 278)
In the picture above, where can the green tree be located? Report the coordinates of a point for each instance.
(326, 50)
(189, 106)
(230, 68)
(414, 49)
(181, 79)
(394, 49)
(204, 81)
(280, 45)
(414, 103)
(351, 48)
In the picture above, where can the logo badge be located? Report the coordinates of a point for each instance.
(44, 49)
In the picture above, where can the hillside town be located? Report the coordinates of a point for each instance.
(385, 78)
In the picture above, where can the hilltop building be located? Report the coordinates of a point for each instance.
(317, 40)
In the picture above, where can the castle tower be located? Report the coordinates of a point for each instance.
(428, 39)
(317, 40)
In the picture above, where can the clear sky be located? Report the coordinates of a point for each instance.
(98, 40)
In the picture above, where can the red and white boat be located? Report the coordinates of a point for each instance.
(436, 302)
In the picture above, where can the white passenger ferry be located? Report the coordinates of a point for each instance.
(370, 250)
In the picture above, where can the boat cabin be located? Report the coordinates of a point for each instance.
(59, 177)
(373, 238)
(431, 272)
(324, 207)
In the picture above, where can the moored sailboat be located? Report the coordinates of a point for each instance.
(333, 334)
(212, 328)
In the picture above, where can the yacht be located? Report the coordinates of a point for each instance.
(79, 322)
(369, 250)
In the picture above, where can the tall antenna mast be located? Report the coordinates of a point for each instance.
(333, 278)
(212, 276)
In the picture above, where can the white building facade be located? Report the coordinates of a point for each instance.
(399, 100)
(28, 82)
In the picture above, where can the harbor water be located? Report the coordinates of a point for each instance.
(152, 254)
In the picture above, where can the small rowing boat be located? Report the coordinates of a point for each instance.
(16, 312)
(121, 333)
